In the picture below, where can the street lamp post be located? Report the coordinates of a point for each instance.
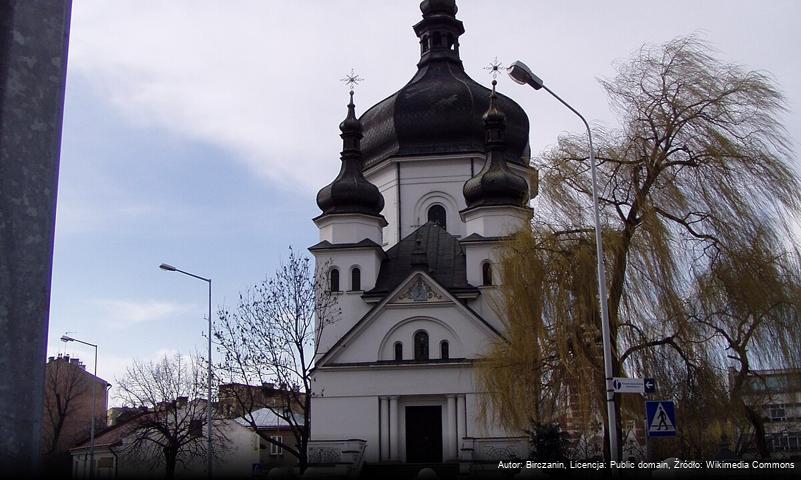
(521, 74)
(65, 339)
(209, 455)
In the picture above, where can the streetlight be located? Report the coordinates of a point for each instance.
(66, 338)
(170, 268)
(521, 74)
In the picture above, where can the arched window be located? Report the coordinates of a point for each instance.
(355, 279)
(444, 350)
(398, 351)
(333, 278)
(436, 214)
(421, 345)
(486, 273)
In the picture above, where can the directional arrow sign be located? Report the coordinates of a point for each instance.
(650, 385)
(628, 385)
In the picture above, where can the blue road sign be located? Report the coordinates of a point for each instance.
(661, 418)
(649, 385)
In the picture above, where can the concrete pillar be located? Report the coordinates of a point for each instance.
(394, 433)
(384, 419)
(33, 66)
(452, 434)
(460, 421)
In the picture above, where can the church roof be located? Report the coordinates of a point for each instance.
(326, 245)
(429, 248)
(495, 184)
(440, 110)
(350, 192)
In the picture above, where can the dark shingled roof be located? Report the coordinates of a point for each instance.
(476, 238)
(350, 192)
(444, 257)
(326, 245)
(440, 110)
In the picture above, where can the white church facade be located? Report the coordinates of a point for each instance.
(433, 178)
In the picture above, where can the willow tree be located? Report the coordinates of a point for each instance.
(698, 170)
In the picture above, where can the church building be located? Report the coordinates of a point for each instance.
(433, 178)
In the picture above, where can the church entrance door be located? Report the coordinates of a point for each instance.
(424, 434)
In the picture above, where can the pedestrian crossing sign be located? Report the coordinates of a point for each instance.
(661, 418)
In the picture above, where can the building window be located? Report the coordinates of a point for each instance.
(356, 279)
(444, 350)
(421, 346)
(276, 449)
(333, 278)
(486, 273)
(196, 428)
(398, 351)
(777, 413)
(437, 215)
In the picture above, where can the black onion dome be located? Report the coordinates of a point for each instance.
(440, 110)
(350, 192)
(495, 184)
(439, 6)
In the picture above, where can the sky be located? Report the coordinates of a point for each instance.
(198, 132)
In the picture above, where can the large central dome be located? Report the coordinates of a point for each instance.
(440, 110)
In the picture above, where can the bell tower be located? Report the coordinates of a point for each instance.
(349, 253)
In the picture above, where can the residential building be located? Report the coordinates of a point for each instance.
(68, 408)
(777, 394)
(241, 451)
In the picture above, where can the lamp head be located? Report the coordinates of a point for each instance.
(168, 267)
(521, 74)
(65, 338)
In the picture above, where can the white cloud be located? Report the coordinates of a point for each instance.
(260, 78)
(229, 75)
(123, 314)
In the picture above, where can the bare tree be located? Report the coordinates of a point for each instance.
(698, 181)
(67, 410)
(271, 339)
(172, 430)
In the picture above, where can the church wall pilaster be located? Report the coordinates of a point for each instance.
(394, 432)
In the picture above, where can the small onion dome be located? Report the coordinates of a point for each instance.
(350, 192)
(447, 7)
(495, 184)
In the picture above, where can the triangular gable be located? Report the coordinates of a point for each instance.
(419, 288)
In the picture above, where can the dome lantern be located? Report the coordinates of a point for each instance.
(439, 111)
(439, 31)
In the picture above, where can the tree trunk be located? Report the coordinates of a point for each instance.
(170, 457)
(755, 418)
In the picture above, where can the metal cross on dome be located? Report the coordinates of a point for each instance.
(494, 68)
(351, 80)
